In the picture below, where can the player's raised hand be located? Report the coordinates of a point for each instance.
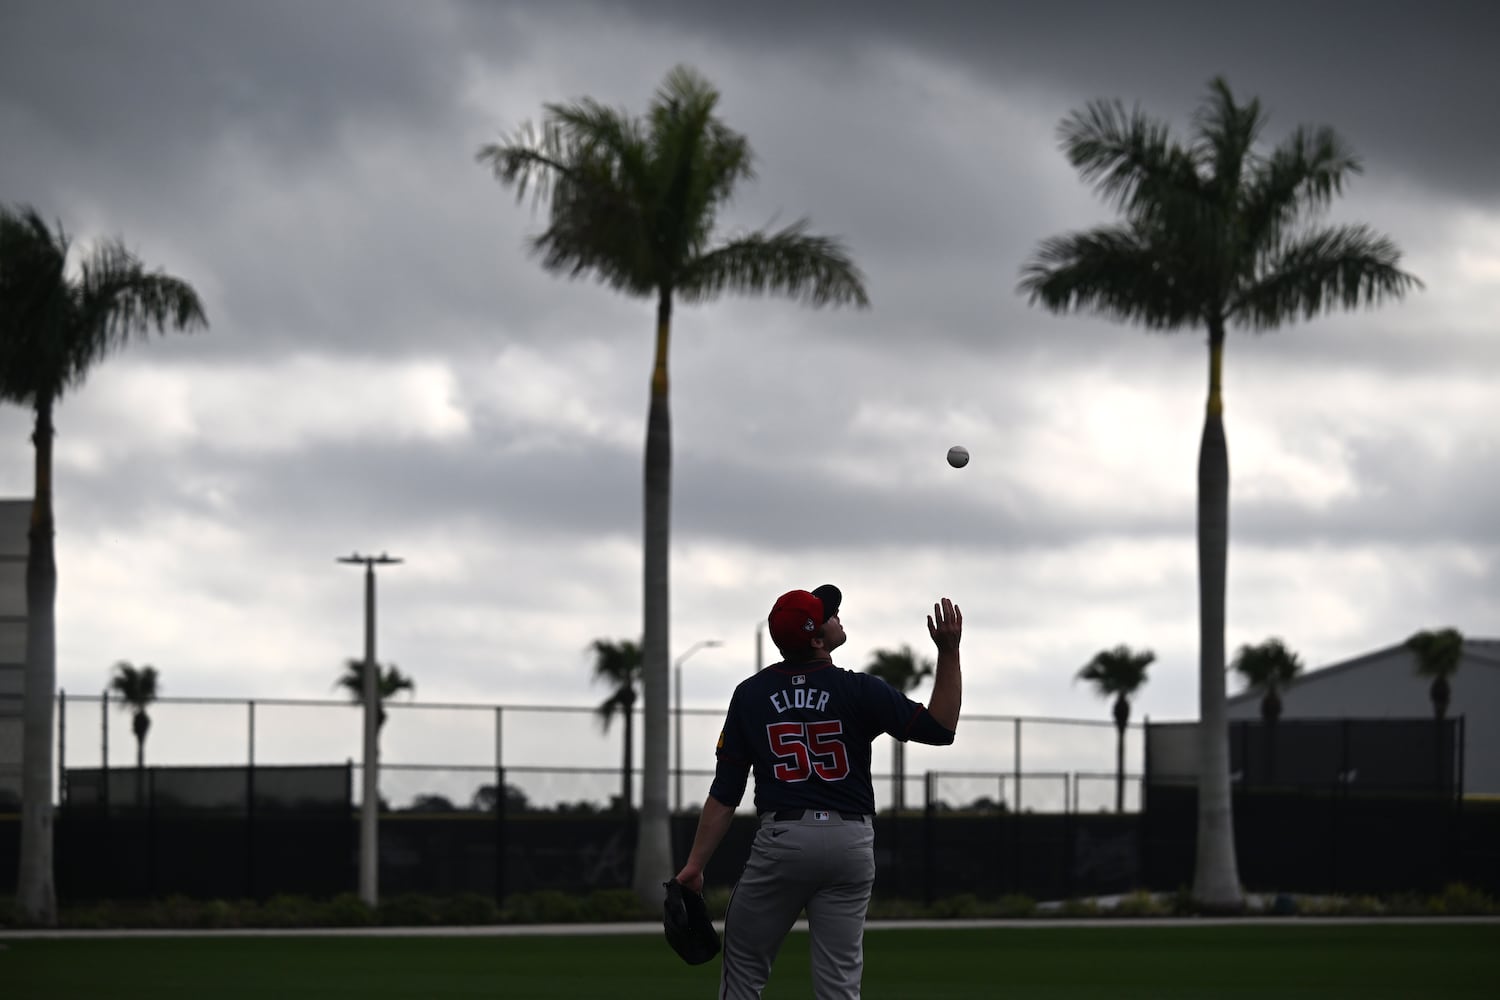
(945, 625)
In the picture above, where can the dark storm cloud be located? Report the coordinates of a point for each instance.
(1411, 85)
(138, 83)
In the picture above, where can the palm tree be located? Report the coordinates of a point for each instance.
(56, 323)
(1119, 672)
(1216, 233)
(1438, 655)
(634, 202)
(1267, 667)
(901, 669)
(389, 682)
(137, 689)
(619, 664)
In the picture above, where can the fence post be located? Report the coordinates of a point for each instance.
(929, 834)
(499, 806)
(1143, 826)
(1018, 765)
(250, 806)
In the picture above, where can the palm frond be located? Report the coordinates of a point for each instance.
(118, 299)
(1224, 140)
(1126, 155)
(901, 668)
(35, 303)
(1325, 269)
(818, 270)
(1267, 666)
(699, 159)
(1438, 651)
(1118, 270)
(54, 328)
(136, 686)
(592, 163)
(1117, 671)
(1302, 175)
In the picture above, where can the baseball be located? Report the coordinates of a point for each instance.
(958, 456)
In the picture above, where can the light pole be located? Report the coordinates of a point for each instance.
(705, 644)
(369, 807)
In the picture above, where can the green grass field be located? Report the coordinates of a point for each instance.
(1307, 960)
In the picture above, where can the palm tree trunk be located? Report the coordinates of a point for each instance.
(36, 894)
(1120, 768)
(1216, 882)
(653, 851)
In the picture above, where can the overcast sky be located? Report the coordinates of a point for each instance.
(388, 370)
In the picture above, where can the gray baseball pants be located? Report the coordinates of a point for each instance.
(823, 865)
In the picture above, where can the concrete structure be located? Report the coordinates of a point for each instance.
(15, 518)
(1385, 685)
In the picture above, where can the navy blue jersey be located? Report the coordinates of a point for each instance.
(806, 729)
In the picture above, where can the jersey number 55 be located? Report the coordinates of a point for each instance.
(803, 749)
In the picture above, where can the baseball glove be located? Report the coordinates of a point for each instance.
(685, 919)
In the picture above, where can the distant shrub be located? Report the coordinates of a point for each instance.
(410, 910)
(99, 916)
(284, 911)
(468, 909)
(219, 913)
(897, 909)
(1141, 904)
(1014, 905)
(547, 906)
(1408, 904)
(1283, 905)
(1459, 900)
(963, 906)
(1078, 908)
(347, 910)
(1360, 906)
(614, 906)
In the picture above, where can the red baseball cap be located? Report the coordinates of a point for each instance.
(797, 615)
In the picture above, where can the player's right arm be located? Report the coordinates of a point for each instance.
(946, 626)
(731, 775)
(712, 825)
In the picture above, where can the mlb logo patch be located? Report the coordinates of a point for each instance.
(820, 814)
(799, 678)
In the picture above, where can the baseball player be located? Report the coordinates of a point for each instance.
(805, 726)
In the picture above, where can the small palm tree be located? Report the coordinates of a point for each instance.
(137, 689)
(389, 682)
(902, 670)
(1438, 655)
(619, 664)
(635, 202)
(1267, 667)
(56, 322)
(1118, 672)
(1216, 234)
